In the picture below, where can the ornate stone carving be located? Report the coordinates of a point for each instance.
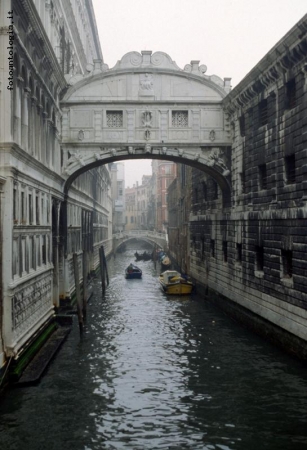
(194, 67)
(147, 135)
(147, 119)
(81, 135)
(217, 157)
(180, 119)
(115, 119)
(146, 84)
(30, 302)
(212, 135)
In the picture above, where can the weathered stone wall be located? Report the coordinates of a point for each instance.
(255, 251)
(179, 201)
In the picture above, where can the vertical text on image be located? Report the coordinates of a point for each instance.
(10, 51)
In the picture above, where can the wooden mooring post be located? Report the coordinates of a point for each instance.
(85, 272)
(103, 270)
(78, 291)
(154, 256)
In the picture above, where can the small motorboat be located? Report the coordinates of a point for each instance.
(173, 283)
(133, 271)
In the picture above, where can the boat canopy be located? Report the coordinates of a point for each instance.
(169, 274)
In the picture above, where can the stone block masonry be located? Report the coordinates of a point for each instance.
(253, 252)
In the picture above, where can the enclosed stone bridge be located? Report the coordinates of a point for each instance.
(146, 107)
(152, 237)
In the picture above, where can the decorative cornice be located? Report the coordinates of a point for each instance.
(34, 68)
(30, 161)
(42, 38)
(149, 63)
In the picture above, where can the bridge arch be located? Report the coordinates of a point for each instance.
(151, 237)
(146, 107)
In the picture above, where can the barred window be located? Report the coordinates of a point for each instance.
(290, 169)
(263, 112)
(115, 119)
(242, 125)
(263, 181)
(225, 251)
(180, 119)
(239, 252)
(259, 257)
(287, 264)
(291, 94)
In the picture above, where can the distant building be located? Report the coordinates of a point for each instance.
(118, 196)
(179, 208)
(137, 200)
(165, 173)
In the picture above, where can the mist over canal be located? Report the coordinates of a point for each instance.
(157, 372)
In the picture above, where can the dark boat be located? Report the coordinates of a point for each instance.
(144, 256)
(133, 271)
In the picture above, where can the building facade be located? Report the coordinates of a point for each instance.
(137, 201)
(165, 172)
(50, 42)
(179, 208)
(250, 252)
(118, 196)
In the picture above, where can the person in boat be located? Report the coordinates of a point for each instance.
(130, 268)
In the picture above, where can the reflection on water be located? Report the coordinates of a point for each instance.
(157, 372)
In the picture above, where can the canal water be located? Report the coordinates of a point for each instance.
(154, 372)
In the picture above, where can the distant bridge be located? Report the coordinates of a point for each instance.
(152, 237)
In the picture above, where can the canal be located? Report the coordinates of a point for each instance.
(153, 372)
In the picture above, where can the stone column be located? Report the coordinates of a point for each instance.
(131, 125)
(17, 111)
(164, 125)
(46, 138)
(98, 126)
(32, 126)
(55, 250)
(7, 252)
(25, 120)
(39, 132)
(195, 125)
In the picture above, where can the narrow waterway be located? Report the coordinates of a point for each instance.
(154, 372)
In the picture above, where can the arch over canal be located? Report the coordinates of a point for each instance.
(146, 107)
(152, 237)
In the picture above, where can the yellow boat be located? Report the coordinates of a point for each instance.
(173, 283)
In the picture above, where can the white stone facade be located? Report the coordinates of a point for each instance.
(51, 42)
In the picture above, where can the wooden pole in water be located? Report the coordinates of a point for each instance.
(105, 265)
(84, 264)
(102, 271)
(154, 257)
(78, 293)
